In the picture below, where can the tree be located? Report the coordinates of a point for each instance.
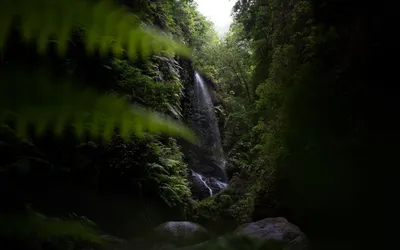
(309, 69)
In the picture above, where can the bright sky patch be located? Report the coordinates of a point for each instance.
(218, 11)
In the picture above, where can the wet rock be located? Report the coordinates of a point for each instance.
(203, 186)
(181, 233)
(198, 186)
(276, 229)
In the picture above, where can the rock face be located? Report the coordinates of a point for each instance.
(276, 229)
(198, 188)
(205, 186)
(181, 233)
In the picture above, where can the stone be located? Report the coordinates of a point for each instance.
(205, 186)
(181, 233)
(276, 229)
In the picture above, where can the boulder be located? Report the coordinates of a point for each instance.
(276, 229)
(181, 233)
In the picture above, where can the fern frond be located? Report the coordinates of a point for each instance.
(24, 226)
(33, 99)
(106, 26)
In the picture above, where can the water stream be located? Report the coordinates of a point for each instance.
(203, 180)
(210, 168)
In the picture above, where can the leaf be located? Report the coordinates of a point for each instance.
(106, 26)
(44, 104)
(24, 226)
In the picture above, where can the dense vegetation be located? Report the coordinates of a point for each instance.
(301, 81)
(72, 141)
(93, 104)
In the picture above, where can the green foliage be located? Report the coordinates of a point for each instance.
(233, 203)
(314, 76)
(146, 168)
(126, 169)
(105, 26)
(169, 172)
(255, 130)
(225, 60)
(187, 22)
(292, 132)
(46, 105)
(151, 86)
(162, 162)
(32, 227)
(230, 63)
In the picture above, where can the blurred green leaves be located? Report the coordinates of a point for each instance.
(106, 27)
(34, 225)
(32, 98)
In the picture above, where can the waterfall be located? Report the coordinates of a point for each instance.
(202, 179)
(209, 170)
(209, 182)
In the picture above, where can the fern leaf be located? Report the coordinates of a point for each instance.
(24, 226)
(106, 26)
(32, 99)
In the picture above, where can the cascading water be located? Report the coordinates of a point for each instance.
(203, 180)
(209, 170)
